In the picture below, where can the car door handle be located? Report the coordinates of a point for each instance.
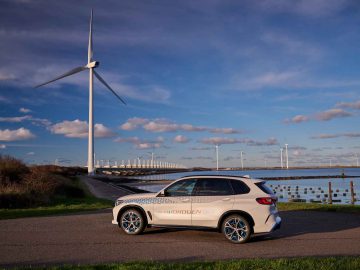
(226, 199)
(185, 200)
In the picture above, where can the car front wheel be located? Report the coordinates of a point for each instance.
(132, 222)
(236, 229)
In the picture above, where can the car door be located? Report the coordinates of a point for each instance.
(212, 197)
(174, 207)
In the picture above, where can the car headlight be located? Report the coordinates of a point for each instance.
(118, 202)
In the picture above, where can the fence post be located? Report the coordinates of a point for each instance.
(352, 192)
(330, 193)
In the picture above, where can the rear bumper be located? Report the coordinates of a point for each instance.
(277, 224)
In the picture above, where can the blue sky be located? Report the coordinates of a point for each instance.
(248, 75)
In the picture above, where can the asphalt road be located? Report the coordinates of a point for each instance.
(91, 238)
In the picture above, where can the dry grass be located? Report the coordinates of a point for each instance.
(22, 187)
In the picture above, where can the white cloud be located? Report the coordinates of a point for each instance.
(314, 8)
(160, 126)
(79, 129)
(142, 144)
(224, 130)
(332, 136)
(4, 76)
(297, 119)
(133, 123)
(30, 153)
(351, 105)
(200, 148)
(331, 114)
(24, 110)
(181, 139)
(251, 142)
(219, 140)
(164, 125)
(35, 121)
(320, 116)
(17, 119)
(20, 134)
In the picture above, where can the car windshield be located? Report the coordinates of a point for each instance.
(181, 188)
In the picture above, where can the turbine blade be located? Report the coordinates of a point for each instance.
(90, 51)
(71, 72)
(108, 87)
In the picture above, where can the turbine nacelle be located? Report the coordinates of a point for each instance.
(93, 64)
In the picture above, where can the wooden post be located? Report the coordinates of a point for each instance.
(330, 194)
(352, 192)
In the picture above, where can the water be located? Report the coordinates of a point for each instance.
(308, 189)
(259, 173)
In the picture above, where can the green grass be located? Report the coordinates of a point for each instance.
(60, 206)
(294, 206)
(329, 263)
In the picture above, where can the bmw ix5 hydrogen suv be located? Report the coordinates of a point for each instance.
(236, 206)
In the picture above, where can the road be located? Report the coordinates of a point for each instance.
(91, 238)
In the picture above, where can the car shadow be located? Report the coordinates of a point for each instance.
(294, 223)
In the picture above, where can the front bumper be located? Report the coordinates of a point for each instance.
(114, 222)
(277, 224)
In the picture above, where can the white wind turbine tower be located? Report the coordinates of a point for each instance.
(90, 66)
(242, 160)
(281, 157)
(217, 156)
(287, 156)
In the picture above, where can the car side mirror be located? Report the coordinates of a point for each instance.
(162, 193)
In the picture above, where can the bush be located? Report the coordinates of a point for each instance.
(35, 186)
(11, 170)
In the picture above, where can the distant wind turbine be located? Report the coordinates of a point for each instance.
(217, 156)
(242, 160)
(287, 156)
(90, 66)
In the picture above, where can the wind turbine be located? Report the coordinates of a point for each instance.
(287, 156)
(91, 65)
(281, 157)
(217, 156)
(242, 160)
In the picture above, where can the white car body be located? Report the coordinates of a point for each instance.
(204, 211)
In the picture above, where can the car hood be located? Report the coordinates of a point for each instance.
(138, 196)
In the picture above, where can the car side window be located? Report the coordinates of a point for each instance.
(181, 188)
(239, 187)
(213, 187)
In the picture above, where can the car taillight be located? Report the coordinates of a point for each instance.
(266, 200)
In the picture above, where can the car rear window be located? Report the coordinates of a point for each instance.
(264, 188)
(239, 187)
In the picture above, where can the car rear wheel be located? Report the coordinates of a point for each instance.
(236, 229)
(132, 222)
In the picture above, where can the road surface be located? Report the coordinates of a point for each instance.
(91, 238)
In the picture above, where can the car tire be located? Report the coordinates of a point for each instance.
(132, 221)
(236, 229)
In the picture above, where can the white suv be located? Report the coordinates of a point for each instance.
(236, 206)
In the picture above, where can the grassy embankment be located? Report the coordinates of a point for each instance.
(42, 190)
(329, 263)
(294, 206)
